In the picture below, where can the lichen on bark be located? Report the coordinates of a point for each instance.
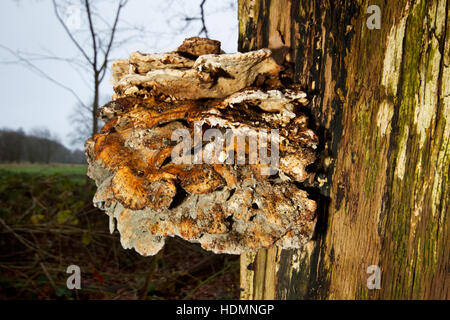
(383, 103)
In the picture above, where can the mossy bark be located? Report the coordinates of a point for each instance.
(382, 106)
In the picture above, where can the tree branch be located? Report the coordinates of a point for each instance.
(61, 21)
(203, 30)
(102, 69)
(202, 17)
(94, 42)
(42, 73)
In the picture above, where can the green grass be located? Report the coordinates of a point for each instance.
(45, 169)
(48, 222)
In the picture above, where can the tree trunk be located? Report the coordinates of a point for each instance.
(95, 106)
(382, 107)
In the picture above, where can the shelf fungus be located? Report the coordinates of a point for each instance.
(207, 146)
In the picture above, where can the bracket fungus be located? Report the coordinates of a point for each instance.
(170, 160)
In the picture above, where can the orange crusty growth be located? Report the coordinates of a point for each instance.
(226, 207)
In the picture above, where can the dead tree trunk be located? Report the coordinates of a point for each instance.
(382, 105)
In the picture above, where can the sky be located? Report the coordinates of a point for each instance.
(30, 101)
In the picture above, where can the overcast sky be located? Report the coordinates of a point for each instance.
(30, 101)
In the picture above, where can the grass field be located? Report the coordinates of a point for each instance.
(48, 222)
(45, 169)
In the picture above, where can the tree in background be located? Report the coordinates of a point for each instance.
(94, 37)
(39, 146)
(101, 41)
(80, 118)
(96, 29)
(47, 145)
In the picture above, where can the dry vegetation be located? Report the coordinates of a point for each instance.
(47, 222)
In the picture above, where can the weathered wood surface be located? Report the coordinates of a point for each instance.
(383, 108)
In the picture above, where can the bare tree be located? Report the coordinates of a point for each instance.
(80, 119)
(101, 30)
(204, 29)
(39, 145)
(47, 143)
(94, 43)
(100, 44)
(203, 18)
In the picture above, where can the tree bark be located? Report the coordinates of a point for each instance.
(382, 107)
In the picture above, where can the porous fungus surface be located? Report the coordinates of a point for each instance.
(226, 206)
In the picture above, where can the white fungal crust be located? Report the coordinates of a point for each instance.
(143, 63)
(225, 206)
(173, 77)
